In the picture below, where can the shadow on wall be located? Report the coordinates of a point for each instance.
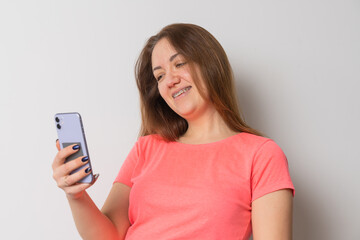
(309, 214)
(249, 103)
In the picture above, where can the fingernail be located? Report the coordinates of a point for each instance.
(76, 147)
(84, 159)
(56, 140)
(88, 170)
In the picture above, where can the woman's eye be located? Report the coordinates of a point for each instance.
(159, 78)
(180, 64)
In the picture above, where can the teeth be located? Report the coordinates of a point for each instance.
(181, 92)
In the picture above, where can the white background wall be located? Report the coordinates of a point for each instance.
(297, 73)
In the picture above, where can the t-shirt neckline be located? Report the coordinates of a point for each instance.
(210, 143)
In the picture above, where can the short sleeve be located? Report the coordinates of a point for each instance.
(126, 171)
(270, 171)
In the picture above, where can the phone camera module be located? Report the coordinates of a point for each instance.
(57, 119)
(58, 126)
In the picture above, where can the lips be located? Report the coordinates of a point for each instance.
(181, 91)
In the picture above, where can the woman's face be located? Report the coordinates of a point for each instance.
(175, 81)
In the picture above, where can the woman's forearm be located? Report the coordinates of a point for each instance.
(90, 221)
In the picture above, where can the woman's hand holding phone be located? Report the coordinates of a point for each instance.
(64, 175)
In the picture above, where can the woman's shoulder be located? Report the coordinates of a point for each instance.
(150, 140)
(252, 139)
(254, 142)
(263, 145)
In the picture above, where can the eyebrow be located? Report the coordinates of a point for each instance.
(170, 59)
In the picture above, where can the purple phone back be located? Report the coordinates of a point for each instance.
(70, 131)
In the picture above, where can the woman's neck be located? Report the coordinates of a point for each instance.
(208, 128)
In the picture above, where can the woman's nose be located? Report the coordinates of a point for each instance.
(172, 79)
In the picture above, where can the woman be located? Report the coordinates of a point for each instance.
(197, 171)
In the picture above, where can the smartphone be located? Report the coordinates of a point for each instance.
(70, 131)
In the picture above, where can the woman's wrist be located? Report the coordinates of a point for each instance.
(76, 197)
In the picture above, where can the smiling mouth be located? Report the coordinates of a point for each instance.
(181, 92)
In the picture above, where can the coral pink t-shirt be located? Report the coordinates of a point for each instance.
(203, 191)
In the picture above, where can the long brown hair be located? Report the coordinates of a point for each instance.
(199, 47)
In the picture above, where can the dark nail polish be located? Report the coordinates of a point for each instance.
(88, 170)
(84, 159)
(76, 147)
